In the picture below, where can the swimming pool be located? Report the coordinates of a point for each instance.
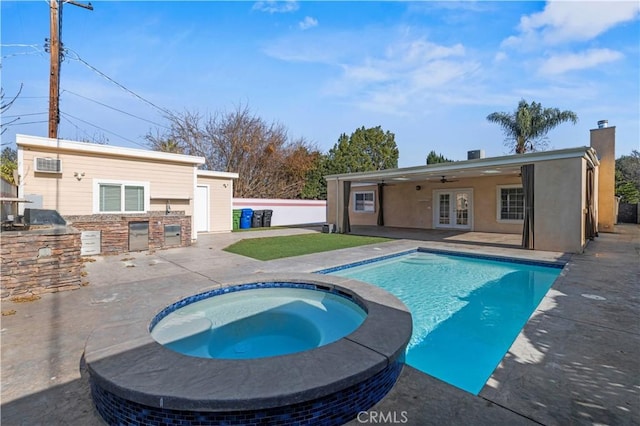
(467, 311)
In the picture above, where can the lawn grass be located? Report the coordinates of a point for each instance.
(270, 248)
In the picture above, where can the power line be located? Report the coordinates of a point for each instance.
(35, 46)
(91, 67)
(104, 130)
(23, 123)
(114, 108)
(21, 54)
(78, 128)
(24, 115)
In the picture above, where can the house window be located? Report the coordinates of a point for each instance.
(363, 201)
(510, 203)
(121, 197)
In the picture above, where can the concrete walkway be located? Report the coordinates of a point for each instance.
(575, 362)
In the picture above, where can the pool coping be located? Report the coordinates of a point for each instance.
(124, 359)
(558, 264)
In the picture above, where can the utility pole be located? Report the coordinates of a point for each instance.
(55, 7)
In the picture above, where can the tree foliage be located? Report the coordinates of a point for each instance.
(433, 158)
(628, 177)
(365, 150)
(9, 163)
(269, 164)
(526, 128)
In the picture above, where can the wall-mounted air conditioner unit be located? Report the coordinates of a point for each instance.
(47, 165)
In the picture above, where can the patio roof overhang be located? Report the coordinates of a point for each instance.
(493, 166)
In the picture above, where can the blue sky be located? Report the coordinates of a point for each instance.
(430, 72)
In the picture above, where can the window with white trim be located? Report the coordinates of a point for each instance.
(510, 203)
(120, 197)
(364, 201)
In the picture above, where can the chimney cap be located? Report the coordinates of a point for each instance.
(603, 123)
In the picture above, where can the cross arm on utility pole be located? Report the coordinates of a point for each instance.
(75, 3)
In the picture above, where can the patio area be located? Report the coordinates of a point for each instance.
(487, 239)
(575, 362)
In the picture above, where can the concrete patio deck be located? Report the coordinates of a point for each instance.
(575, 362)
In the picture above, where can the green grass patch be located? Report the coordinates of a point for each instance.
(264, 228)
(270, 248)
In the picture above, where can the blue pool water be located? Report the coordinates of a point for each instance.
(258, 323)
(466, 311)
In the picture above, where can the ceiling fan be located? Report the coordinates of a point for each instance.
(445, 180)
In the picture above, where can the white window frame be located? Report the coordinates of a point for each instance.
(499, 219)
(123, 184)
(369, 206)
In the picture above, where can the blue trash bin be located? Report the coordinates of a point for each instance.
(245, 218)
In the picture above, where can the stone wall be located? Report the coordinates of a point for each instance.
(114, 229)
(40, 261)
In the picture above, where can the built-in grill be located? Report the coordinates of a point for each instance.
(43, 217)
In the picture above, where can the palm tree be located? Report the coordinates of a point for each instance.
(529, 124)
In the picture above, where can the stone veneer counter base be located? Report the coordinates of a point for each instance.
(135, 380)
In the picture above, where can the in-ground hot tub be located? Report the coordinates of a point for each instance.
(248, 322)
(272, 361)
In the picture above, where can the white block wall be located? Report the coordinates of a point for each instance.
(287, 212)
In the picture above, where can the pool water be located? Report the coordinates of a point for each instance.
(466, 311)
(258, 323)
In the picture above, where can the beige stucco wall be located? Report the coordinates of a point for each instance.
(603, 140)
(560, 202)
(559, 205)
(404, 206)
(220, 202)
(73, 196)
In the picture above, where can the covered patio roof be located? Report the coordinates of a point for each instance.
(493, 166)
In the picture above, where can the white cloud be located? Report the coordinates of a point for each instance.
(560, 64)
(382, 70)
(565, 21)
(271, 6)
(500, 56)
(406, 72)
(308, 22)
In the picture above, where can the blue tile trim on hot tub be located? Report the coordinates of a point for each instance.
(333, 409)
(551, 264)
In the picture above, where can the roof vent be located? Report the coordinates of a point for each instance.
(47, 165)
(474, 155)
(603, 123)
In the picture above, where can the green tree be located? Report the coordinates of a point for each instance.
(434, 158)
(526, 128)
(9, 162)
(365, 150)
(315, 187)
(628, 177)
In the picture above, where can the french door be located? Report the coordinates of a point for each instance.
(453, 208)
